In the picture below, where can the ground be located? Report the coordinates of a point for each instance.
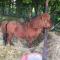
(15, 52)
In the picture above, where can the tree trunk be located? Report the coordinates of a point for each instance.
(3, 6)
(35, 4)
(18, 6)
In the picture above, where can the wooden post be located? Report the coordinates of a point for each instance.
(45, 48)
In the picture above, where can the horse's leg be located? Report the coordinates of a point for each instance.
(5, 35)
(30, 43)
(5, 38)
(9, 40)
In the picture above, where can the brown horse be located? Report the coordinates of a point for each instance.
(29, 30)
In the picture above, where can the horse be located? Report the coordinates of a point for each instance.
(28, 30)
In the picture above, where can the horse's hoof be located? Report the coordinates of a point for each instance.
(29, 46)
(11, 44)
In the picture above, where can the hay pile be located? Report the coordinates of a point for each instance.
(15, 53)
(10, 53)
(54, 46)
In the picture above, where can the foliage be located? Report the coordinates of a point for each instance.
(22, 8)
(27, 1)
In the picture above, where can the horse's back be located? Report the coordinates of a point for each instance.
(3, 26)
(11, 26)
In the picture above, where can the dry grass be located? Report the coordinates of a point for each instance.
(15, 53)
(10, 53)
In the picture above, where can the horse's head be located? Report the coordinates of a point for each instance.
(46, 20)
(42, 21)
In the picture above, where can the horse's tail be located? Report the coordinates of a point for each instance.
(5, 34)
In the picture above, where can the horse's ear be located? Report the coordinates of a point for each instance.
(47, 15)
